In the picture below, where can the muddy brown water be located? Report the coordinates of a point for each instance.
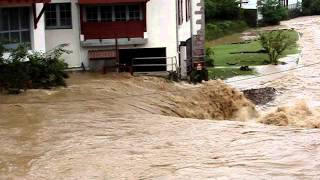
(100, 127)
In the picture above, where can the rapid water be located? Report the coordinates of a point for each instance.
(95, 129)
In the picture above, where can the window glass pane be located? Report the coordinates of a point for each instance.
(134, 12)
(14, 19)
(65, 14)
(92, 14)
(15, 37)
(4, 19)
(4, 38)
(120, 13)
(25, 18)
(51, 15)
(25, 36)
(106, 13)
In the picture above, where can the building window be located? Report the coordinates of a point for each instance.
(113, 13)
(92, 13)
(106, 13)
(180, 12)
(134, 12)
(188, 9)
(15, 27)
(58, 16)
(120, 13)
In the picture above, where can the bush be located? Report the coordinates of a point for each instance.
(209, 56)
(37, 70)
(272, 11)
(275, 42)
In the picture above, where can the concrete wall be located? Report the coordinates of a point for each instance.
(38, 35)
(55, 37)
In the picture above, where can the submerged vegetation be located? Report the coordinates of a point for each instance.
(23, 70)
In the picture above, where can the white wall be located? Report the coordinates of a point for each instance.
(38, 35)
(253, 4)
(55, 37)
(161, 26)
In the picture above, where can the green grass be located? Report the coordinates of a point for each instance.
(225, 73)
(224, 55)
(216, 29)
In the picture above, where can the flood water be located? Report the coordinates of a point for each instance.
(102, 128)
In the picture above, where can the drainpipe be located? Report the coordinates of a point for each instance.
(177, 32)
(191, 30)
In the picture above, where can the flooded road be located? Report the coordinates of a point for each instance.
(101, 127)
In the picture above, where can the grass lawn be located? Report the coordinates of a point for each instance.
(225, 55)
(225, 73)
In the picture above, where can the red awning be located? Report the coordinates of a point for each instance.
(11, 2)
(110, 1)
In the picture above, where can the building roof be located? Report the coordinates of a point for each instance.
(6, 2)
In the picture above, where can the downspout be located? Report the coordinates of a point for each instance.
(191, 30)
(177, 32)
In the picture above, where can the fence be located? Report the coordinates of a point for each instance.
(154, 64)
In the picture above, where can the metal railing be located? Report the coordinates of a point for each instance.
(172, 66)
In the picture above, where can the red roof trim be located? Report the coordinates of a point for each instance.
(110, 1)
(12, 2)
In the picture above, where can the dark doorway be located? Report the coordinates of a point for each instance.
(126, 56)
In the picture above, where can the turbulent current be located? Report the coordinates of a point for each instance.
(122, 127)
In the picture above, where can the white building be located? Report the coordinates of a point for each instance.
(252, 4)
(103, 33)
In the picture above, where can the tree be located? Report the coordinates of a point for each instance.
(275, 42)
(272, 11)
(311, 7)
(222, 9)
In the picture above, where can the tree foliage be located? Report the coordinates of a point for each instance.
(272, 11)
(311, 7)
(275, 42)
(222, 9)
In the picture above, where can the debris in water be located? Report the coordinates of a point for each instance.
(260, 96)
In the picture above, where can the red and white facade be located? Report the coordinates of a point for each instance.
(119, 29)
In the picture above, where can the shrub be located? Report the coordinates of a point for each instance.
(23, 70)
(209, 56)
(272, 11)
(275, 42)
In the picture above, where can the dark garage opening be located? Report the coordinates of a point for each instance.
(127, 55)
